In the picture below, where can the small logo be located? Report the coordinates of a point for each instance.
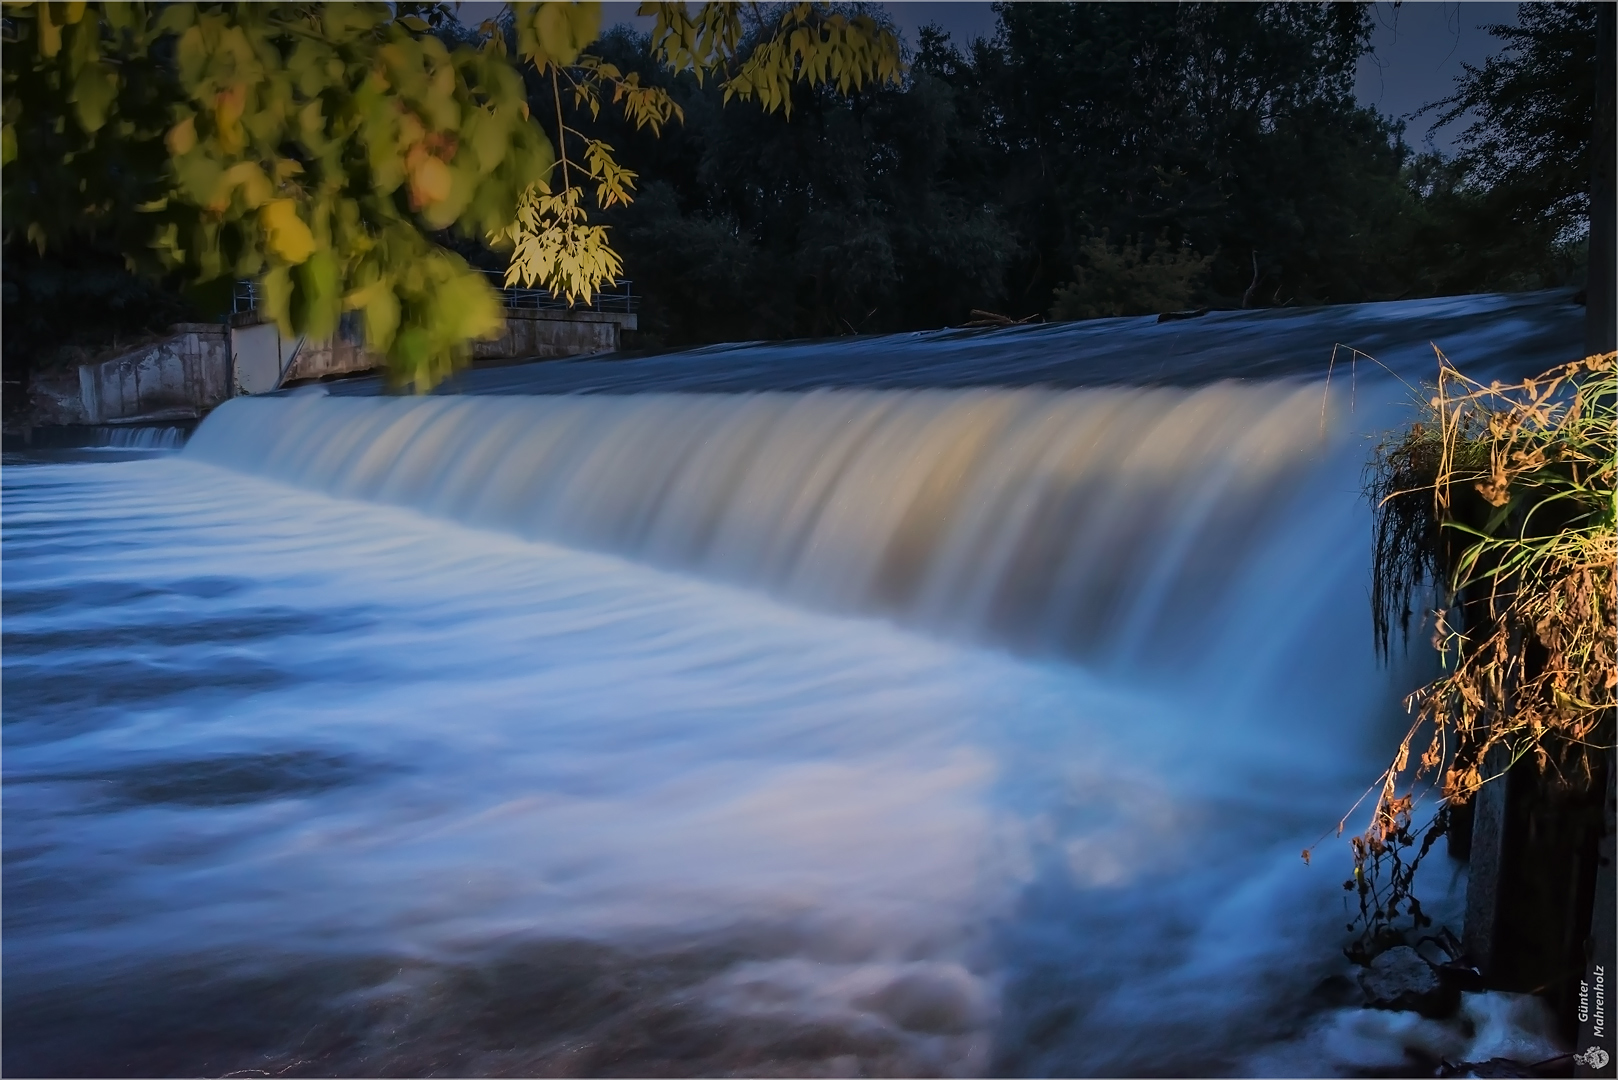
(1595, 1058)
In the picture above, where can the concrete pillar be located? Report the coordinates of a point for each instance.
(1534, 886)
(1486, 866)
(1601, 952)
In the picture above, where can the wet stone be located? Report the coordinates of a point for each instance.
(1400, 979)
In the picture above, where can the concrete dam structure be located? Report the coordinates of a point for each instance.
(199, 366)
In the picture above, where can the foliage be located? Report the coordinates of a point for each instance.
(808, 45)
(1468, 238)
(1503, 500)
(1520, 530)
(1533, 105)
(315, 147)
(69, 305)
(1131, 279)
(334, 150)
(1228, 127)
(836, 222)
(554, 246)
(986, 179)
(981, 179)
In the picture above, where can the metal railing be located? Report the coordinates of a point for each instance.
(619, 296)
(244, 297)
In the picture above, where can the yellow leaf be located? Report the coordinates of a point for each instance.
(182, 136)
(229, 105)
(411, 130)
(50, 35)
(255, 187)
(430, 182)
(557, 32)
(286, 235)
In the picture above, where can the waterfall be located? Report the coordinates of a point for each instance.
(1107, 524)
(136, 437)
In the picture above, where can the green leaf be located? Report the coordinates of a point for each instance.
(94, 92)
(176, 19)
(381, 312)
(275, 298)
(317, 297)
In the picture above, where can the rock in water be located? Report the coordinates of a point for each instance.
(1400, 979)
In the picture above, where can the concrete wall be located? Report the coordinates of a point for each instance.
(200, 365)
(55, 399)
(527, 334)
(181, 377)
(260, 357)
(344, 354)
(546, 335)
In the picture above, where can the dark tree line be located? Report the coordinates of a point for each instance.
(1104, 159)
(1087, 160)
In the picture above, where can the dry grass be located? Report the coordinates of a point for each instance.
(1501, 504)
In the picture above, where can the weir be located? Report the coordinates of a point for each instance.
(1093, 524)
(933, 704)
(1102, 491)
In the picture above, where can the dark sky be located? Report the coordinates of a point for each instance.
(1419, 46)
(1419, 50)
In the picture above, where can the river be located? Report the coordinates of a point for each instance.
(947, 705)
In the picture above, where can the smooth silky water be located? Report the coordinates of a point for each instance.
(843, 731)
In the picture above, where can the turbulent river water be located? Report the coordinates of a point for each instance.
(766, 711)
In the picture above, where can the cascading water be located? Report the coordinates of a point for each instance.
(836, 732)
(132, 438)
(1073, 523)
(139, 437)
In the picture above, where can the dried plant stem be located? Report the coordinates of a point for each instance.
(1501, 503)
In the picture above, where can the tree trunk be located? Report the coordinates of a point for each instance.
(1601, 280)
